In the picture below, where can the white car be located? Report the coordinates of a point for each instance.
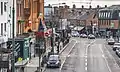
(75, 34)
(116, 45)
(111, 41)
(91, 36)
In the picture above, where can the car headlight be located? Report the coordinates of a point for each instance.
(48, 63)
(57, 62)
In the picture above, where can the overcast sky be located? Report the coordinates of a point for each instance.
(79, 3)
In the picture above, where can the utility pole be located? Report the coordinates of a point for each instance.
(52, 38)
(13, 41)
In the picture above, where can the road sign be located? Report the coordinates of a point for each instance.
(20, 59)
(112, 25)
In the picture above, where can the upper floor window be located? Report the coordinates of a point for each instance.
(106, 14)
(1, 8)
(5, 27)
(109, 15)
(5, 6)
(1, 28)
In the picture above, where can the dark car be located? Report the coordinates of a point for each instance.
(54, 61)
(91, 36)
(115, 46)
(118, 51)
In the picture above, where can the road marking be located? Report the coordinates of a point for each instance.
(65, 47)
(86, 68)
(103, 55)
(111, 56)
(85, 56)
(67, 56)
(105, 60)
(86, 64)
(85, 60)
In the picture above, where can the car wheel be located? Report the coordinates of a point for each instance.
(114, 49)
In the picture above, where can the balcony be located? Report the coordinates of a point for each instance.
(27, 12)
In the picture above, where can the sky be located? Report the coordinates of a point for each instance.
(79, 3)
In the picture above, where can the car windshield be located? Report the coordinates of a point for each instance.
(52, 58)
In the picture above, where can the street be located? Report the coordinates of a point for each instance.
(88, 55)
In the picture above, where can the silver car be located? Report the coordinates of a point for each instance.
(54, 61)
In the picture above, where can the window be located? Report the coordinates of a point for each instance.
(106, 14)
(5, 6)
(10, 13)
(1, 8)
(109, 15)
(1, 28)
(5, 26)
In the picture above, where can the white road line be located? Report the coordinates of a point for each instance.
(67, 56)
(86, 68)
(105, 60)
(112, 57)
(65, 47)
(85, 60)
(86, 64)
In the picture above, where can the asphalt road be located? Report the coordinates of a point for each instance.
(63, 56)
(89, 55)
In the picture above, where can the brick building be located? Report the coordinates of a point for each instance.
(109, 20)
(28, 12)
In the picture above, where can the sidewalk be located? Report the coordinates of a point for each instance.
(34, 62)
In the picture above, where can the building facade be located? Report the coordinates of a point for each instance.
(109, 20)
(6, 21)
(33, 11)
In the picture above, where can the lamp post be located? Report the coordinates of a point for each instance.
(13, 41)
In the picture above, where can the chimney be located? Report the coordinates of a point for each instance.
(90, 7)
(49, 5)
(67, 7)
(98, 6)
(105, 6)
(74, 6)
(82, 6)
(60, 7)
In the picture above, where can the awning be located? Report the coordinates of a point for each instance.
(78, 28)
(21, 63)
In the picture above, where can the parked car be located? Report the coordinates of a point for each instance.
(75, 34)
(54, 61)
(111, 41)
(91, 36)
(118, 51)
(115, 46)
(83, 35)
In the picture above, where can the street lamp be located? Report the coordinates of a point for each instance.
(13, 41)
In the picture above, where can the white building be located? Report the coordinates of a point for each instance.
(6, 21)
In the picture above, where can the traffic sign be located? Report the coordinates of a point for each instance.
(112, 25)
